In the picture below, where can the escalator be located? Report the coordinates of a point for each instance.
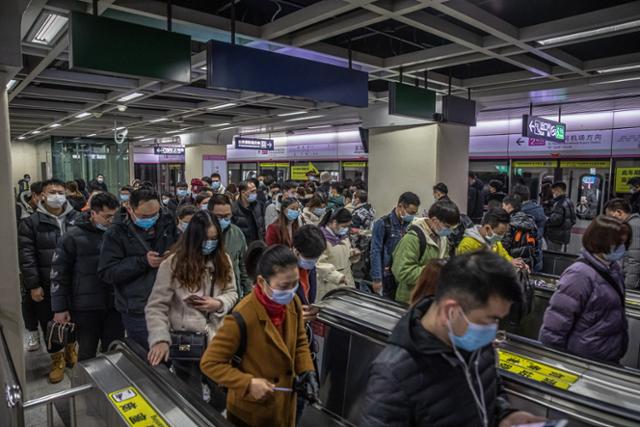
(352, 328)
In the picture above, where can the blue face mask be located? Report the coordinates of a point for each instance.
(224, 223)
(283, 297)
(476, 336)
(124, 197)
(208, 246)
(215, 185)
(147, 223)
(494, 238)
(182, 193)
(444, 232)
(616, 254)
(292, 215)
(319, 212)
(408, 218)
(343, 231)
(252, 197)
(102, 227)
(307, 264)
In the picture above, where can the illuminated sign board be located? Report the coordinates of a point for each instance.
(244, 143)
(159, 149)
(537, 127)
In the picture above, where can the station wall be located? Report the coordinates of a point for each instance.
(28, 157)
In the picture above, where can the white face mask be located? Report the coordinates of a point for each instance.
(56, 201)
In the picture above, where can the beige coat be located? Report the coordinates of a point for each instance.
(308, 217)
(333, 266)
(166, 310)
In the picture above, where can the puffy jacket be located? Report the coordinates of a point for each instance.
(417, 381)
(586, 315)
(521, 223)
(250, 220)
(334, 265)
(635, 202)
(475, 200)
(308, 217)
(94, 185)
(75, 284)
(560, 221)
(631, 261)
(473, 241)
(530, 207)
(123, 260)
(363, 216)
(408, 262)
(166, 310)
(38, 238)
(383, 243)
(236, 246)
(458, 233)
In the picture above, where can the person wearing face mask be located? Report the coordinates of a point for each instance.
(248, 212)
(314, 210)
(634, 188)
(586, 314)
(426, 239)
(131, 254)
(281, 232)
(621, 210)
(184, 215)
(194, 289)
(439, 366)
(38, 237)
(216, 184)
(202, 201)
(182, 197)
(334, 266)
(562, 218)
(125, 194)
(387, 232)
(276, 365)
(272, 208)
(336, 199)
(78, 295)
(309, 244)
(522, 239)
(234, 242)
(167, 199)
(98, 184)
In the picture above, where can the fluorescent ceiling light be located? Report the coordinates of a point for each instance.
(83, 115)
(118, 128)
(161, 119)
(22, 137)
(218, 107)
(230, 127)
(148, 139)
(293, 113)
(177, 130)
(55, 125)
(590, 33)
(297, 119)
(626, 79)
(616, 69)
(131, 96)
(35, 132)
(217, 125)
(203, 68)
(319, 127)
(90, 135)
(11, 84)
(50, 28)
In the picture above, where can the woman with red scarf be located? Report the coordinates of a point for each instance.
(276, 365)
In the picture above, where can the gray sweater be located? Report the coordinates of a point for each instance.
(631, 261)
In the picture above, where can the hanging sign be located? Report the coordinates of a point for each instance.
(536, 371)
(245, 143)
(548, 130)
(159, 149)
(135, 409)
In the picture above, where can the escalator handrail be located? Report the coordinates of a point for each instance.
(160, 375)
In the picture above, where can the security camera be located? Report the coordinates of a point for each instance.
(119, 136)
(122, 108)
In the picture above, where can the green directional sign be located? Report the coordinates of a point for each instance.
(117, 47)
(411, 101)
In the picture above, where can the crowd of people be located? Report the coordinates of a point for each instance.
(216, 280)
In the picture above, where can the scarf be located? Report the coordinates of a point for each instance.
(331, 237)
(275, 311)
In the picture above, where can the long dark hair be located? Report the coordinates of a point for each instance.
(264, 261)
(341, 215)
(189, 264)
(283, 222)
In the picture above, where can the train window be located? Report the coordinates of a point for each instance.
(589, 195)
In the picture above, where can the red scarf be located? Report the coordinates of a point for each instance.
(275, 311)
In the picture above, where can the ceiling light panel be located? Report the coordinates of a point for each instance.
(49, 29)
(55, 125)
(616, 69)
(297, 119)
(131, 96)
(11, 84)
(83, 115)
(217, 125)
(293, 113)
(161, 119)
(218, 107)
(590, 33)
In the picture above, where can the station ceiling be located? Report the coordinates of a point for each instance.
(507, 53)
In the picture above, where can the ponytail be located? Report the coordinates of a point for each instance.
(340, 215)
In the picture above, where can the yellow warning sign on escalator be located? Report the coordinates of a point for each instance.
(135, 409)
(536, 371)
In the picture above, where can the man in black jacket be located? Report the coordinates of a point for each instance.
(475, 199)
(634, 187)
(248, 212)
(38, 238)
(77, 293)
(557, 230)
(439, 367)
(131, 254)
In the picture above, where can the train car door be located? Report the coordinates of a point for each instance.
(532, 174)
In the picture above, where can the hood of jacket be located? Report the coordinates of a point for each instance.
(421, 223)
(67, 210)
(474, 233)
(413, 337)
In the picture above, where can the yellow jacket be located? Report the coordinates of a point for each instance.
(473, 241)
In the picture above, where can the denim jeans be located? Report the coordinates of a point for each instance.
(136, 327)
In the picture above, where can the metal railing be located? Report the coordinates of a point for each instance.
(13, 408)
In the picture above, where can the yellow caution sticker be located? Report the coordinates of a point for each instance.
(536, 371)
(135, 409)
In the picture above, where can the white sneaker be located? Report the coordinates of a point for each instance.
(33, 340)
(206, 393)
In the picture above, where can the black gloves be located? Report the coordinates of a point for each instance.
(307, 387)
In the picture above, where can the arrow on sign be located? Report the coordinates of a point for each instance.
(520, 141)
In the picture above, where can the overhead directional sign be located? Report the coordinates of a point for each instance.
(245, 143)
(411, 101)
(540, 128)
(159, 149)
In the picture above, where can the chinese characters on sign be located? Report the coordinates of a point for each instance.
(539, 128)
(244, 143)
(135, 409)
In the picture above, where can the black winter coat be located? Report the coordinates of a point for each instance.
(635, 202)
(75, 284)
(418, 381)
(38, 238)
(250, 220)
(475, 201)
(123, 260)
(561, 220)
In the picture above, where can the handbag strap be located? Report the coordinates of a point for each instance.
(236, 359)
(140, 239)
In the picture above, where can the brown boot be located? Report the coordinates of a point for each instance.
(57, 367)
(71, 354)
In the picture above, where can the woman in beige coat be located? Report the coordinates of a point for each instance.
(194, 288)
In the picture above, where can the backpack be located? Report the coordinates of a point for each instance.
(520, 309)
(524, 242)
(422, 239)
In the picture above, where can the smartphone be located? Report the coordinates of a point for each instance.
(192, 298)
(548, 423)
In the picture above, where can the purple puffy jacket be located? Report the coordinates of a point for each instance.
(586, 315)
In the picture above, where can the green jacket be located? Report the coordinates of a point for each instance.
(407, 263)
(235, 245)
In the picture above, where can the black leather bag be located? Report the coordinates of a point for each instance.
(187, 346)
(60, 334)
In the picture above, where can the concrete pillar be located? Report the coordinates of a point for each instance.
(194, 158)
(414, 159)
